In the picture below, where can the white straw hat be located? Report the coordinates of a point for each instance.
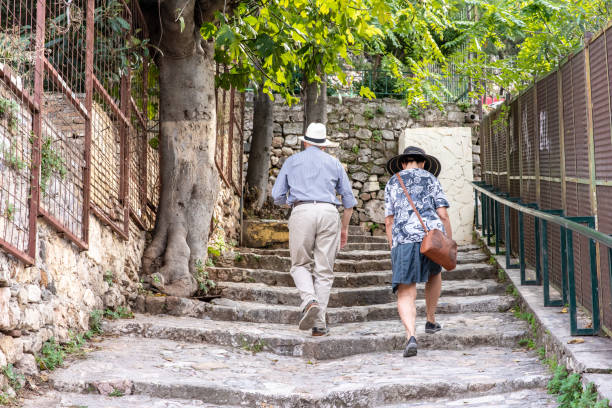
(316, 135)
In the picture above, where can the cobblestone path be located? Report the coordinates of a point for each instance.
(245, 349)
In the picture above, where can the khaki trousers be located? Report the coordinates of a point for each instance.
(314, 241)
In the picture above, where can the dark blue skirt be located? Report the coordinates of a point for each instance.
(410, 266)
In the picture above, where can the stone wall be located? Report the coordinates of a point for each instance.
(368, 132)
(55, 297)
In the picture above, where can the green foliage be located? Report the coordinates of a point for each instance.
(373, 227)
(201, 274)
(116, 393)
(9, 211)
(380, 110)
(415, 112)
(284, 44)
(512, 42)
(95, 322)
(511, 290)
(8, 111)
(5, 399)
(14, 378)
(501, 275)
(376, 135)
(50, 163)
(464, 106)
(108, 277)
(254, 347)
(238, 258)
(13, 159)
(571, 393)
(121, 312)
(51, 355)
(355, 149)
(368, 114)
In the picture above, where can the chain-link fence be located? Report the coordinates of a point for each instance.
(552, 148)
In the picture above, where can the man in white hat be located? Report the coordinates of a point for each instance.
(309, 182)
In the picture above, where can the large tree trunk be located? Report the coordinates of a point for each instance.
(315, 102)
(189, 179)
(259, 156)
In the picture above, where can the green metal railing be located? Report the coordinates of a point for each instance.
(490, 220)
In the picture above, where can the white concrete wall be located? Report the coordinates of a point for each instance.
(453, 147)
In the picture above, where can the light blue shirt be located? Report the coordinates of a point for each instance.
(312, 175)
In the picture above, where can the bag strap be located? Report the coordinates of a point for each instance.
(399, 178)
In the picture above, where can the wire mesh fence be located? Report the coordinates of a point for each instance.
(75, 119)
(559, 156)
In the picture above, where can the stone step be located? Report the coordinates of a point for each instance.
(356, 230)
(283, 263)
(534, 398)
(364, 247)
(54, 399)
(352, 254)
(362, 238)
(339, 297)
(459, 332)
(167, 369)
(341, 279)
(234, 310)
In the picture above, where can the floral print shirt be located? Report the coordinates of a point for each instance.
(427, 195)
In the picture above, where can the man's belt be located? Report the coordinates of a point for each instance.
(311, 202)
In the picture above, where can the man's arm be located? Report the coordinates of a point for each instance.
(443, 214)
(346, 219)
(388, 227)
(281, 187)
(345, 190)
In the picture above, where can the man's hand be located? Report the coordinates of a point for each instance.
(346, 219)
(343, 237)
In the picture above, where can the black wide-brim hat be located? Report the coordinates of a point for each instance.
(432, 164)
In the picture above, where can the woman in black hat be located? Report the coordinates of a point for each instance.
(405, 233)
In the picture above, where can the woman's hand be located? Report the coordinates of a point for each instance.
(388, 228)
(443, 214)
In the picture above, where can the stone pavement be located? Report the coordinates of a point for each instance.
(244, 349)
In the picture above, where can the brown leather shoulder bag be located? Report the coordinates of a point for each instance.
(436, 246)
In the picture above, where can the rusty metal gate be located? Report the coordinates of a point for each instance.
(75, 120)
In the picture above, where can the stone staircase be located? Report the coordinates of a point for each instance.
(244, 349)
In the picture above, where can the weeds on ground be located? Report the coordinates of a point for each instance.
(571, 393)
(14, 378)
(511, 290)
(528, 342)
(116, 393)
(205, 284)
(254, 347)
(501, 275)
(120, 312)
(51, 355)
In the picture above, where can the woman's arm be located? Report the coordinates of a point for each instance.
(388, 227)
(443, 214)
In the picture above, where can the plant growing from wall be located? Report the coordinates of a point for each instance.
(368, 114)
(9, 211)
(8, 111)
(12, 159)
(50, 163)
(377, 135)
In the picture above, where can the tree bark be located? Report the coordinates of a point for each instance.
(315, 102)
(189, 178)
(259, 156)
